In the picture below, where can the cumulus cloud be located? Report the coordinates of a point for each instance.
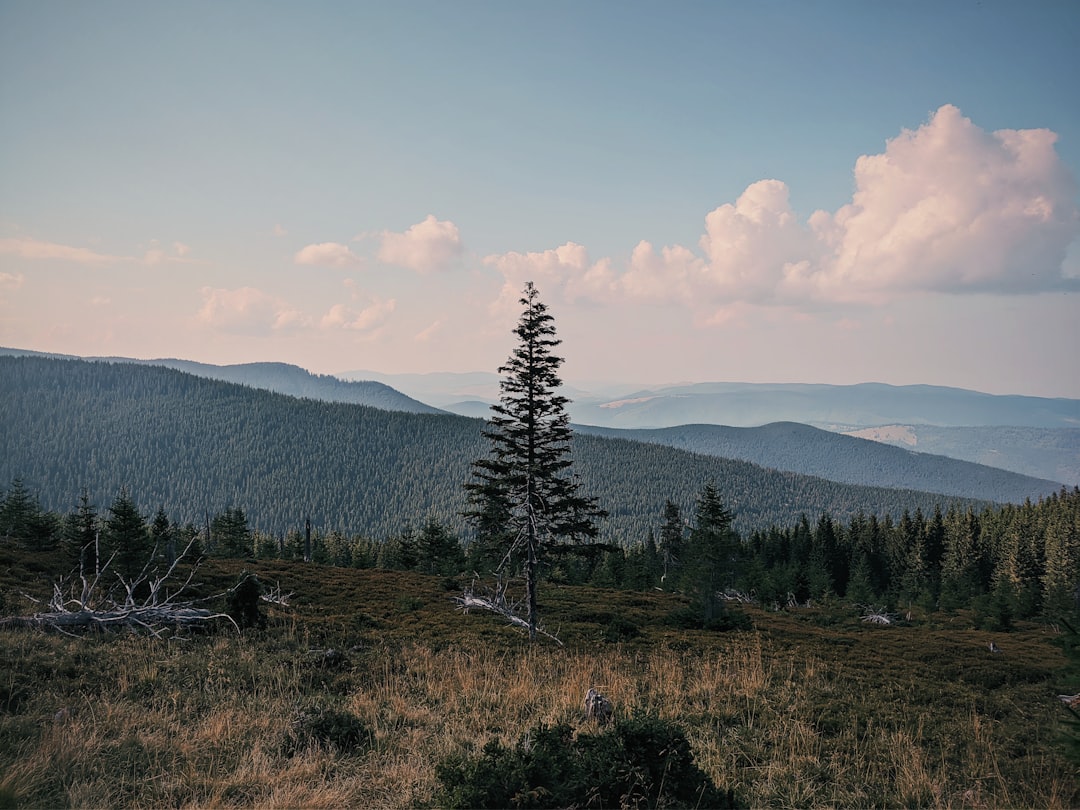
(328, 254)
(247, 311)
(947, 207)
(566, 269)
(426, 246)
(950, 207)
(365, 319)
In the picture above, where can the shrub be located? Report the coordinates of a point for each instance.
(327, 728)
(642, 761)
(620, 629)
(690, 618)
(243, 602)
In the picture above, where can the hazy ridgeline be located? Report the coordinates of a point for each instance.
(197, 446)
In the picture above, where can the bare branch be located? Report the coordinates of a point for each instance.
(95, 611)
(496, 603)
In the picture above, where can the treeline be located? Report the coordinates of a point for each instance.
(203, 446)
(1007, 562)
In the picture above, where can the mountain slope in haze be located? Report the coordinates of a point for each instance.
(281, 378)
(1038, 452)
(754, 404)
(197, 446)
(811, 451)
(1031, 436)
(862, 405)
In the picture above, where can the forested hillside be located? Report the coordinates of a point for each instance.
(864, 404)
(1052, 453)
(812, 451)
(198, 446)
(283, 378)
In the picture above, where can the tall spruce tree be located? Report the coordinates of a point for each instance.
(523, 493)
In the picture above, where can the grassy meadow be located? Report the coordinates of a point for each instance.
(812, 708)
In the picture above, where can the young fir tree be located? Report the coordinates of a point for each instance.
(713, 554)
(523, 492)
(81, 530)
(127, 537)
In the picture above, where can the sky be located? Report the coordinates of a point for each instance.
(827, 192)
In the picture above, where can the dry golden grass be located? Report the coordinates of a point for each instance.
(793, 714)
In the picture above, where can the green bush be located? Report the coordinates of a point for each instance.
(690, 618)
(243, 602)
(327, 728)
(642, 761)
(620, 629)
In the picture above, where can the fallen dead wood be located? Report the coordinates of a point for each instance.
(496, 602)
(149, 602)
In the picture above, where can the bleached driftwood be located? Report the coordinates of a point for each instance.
(86, 605)
(496, 602)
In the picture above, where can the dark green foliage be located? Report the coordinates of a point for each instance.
(329, 728)
(523, 493)
(24, 521)
(690, 618)
(126, 537)
(640, 762)
(243, 602)
(198, 445)
(81, 530)
(713, 556)
(438, 551)
(230, 535)
(620, 629)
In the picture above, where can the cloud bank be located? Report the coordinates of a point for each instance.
(425, 247)
(247, 311)
(947, 207)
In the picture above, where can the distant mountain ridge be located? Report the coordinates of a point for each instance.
(808, 450)
(281, 378)
(196, 446)
(1032, 436)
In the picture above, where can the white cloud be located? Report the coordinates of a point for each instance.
(247, 311)
(950, 207)
(566, 271)
(28, 248)
(367, 319)
(947, 207)
(328, 254)
(426, 246)
(11, 281)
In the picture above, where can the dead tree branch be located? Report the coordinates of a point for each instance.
(496, 602)
(84, 604)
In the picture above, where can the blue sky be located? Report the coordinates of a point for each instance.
(776, 192)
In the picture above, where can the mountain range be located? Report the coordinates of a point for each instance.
(1033, 436)
(196, 446)
(862, 457)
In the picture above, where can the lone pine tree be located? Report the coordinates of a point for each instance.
(524, 500)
